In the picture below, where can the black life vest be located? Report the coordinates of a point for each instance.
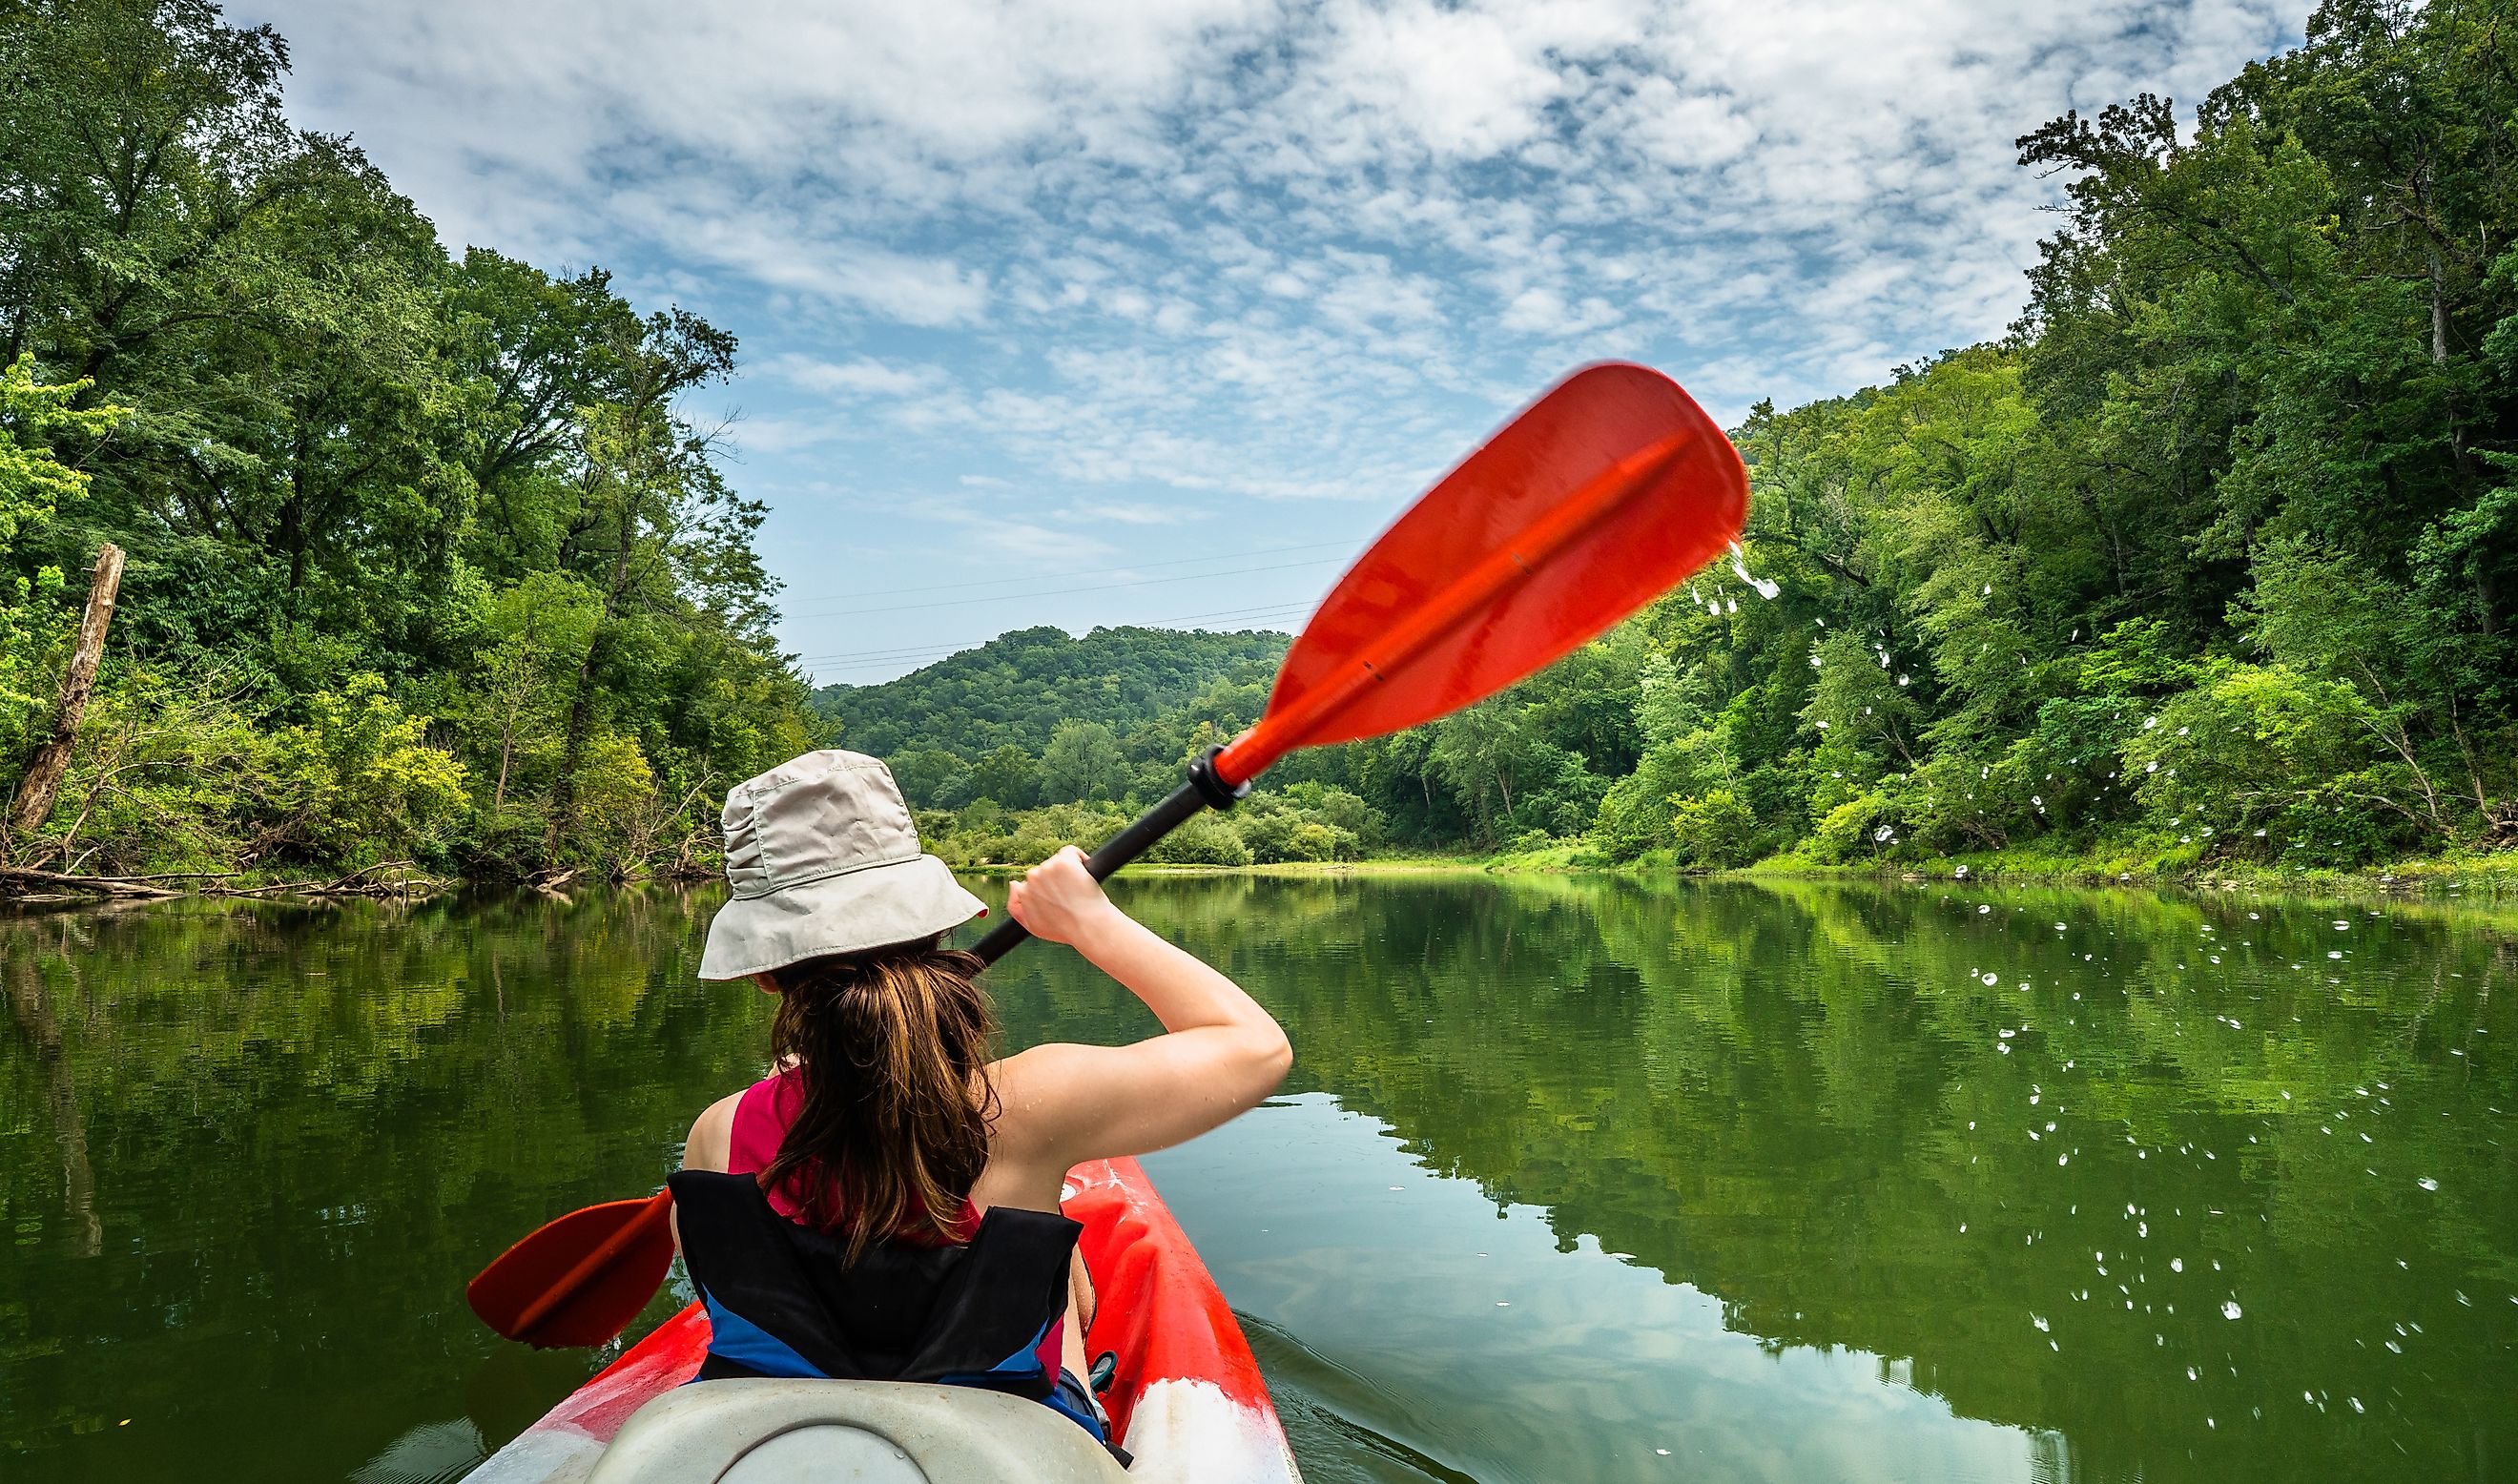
(783, 1301)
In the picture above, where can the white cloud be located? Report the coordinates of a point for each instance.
(1249, 249)
(1131, 512)
(754, 436)
(859, 377)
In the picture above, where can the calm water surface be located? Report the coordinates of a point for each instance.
(1573, 1180)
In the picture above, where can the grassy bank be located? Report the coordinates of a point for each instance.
(2490, 878)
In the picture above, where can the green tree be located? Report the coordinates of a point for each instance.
(1081, 762)
(1007, 775)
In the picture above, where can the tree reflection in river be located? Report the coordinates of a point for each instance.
(2168, 1185)
(2215, 1190)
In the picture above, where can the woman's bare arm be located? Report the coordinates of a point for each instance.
(711, 1143)
(1219, 1055)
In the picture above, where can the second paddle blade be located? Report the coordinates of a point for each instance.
(601, 1300)
(1603, 495)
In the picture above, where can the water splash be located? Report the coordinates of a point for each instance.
(1740, 565)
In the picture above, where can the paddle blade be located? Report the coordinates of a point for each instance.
(603, 1263)
(1596, 500)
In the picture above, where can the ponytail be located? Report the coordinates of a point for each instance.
(892, 1046)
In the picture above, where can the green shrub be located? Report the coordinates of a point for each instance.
(1851, 831)
(2265, 748)
(357, 782)
(1714, 830)
(1203, 839)
(1634, 811)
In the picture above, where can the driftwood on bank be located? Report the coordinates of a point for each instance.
(406, 879)
(44, 775)
(389, 878)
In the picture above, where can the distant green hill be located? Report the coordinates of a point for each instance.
(1035, 739)
(1016, 689)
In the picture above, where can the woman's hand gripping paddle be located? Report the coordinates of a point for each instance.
(1599, 497)
(1596, 500)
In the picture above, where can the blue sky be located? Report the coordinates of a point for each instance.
(1127, 312)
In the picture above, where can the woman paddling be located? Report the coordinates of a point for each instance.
(884, 1206)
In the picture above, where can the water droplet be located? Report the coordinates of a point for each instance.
(2427, 1182)
(2229, 1309)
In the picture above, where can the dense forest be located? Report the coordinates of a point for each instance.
(2214, 559)
(982, 723)
(424, 559)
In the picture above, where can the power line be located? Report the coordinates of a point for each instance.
(867, 658)
(1263, 610)
(1043, 576)
(1007, 598)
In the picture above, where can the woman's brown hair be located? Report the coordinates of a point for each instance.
(892, 1045)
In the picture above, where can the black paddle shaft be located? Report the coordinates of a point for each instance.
(1204, 790)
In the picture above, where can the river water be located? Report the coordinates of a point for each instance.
(1574, 1179)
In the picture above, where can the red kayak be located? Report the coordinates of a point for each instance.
(1188, 1400)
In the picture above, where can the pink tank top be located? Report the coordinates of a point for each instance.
(760, 1119)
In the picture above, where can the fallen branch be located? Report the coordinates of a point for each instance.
(21, 884)
(357, 883)
(14, 880)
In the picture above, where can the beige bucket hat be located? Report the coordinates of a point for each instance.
(824, 859)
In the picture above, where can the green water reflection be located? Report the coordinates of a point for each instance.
(1791, 1181)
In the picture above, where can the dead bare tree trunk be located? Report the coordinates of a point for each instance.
(44, 775)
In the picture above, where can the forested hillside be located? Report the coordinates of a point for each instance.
(424, 559)
(2214, 559)
(970, 726)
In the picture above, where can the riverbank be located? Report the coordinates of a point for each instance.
(2471, 878)
(2483, 877)
(2490, 878)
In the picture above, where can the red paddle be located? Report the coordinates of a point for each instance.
(1596, 499)
(578, 1280)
